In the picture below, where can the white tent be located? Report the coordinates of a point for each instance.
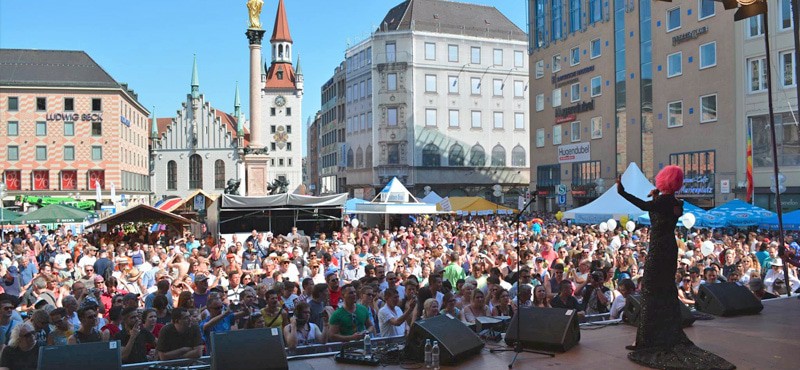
(395, 199)
(611, 204)
(432, 198)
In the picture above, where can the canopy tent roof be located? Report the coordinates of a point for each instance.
(186, 205)
(432, 198)
(55, 214)
(168, 204)
(477, 206)
(791, 221)
(611, 204)
(143, 213)
(702, 218)
(9, 217)
(394, 198)
(350, 205)
(281, 201)
(738, 213)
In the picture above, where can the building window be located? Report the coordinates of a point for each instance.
(475, 55)
(557, 135)
(431, 157)
(475, 86)
(391, 82)
(41, 104)
(69, 104)
(498, 120)
(574, 56)
(755, 27)
(785, 21)
(706, 9)
(13, 103)
(539, 102)
(477, 156)
(539, 66)
(595, 11)
(69, 180)
(519, 121)
(362, 89)
(555, 16)
(519, 89)
(12, 129)
(497, 87)
(787, 135)
(273, 129)
(41, 153)
(539, 137)
(497, 55)
(391, 54)
(69, 128)
(13, 152)
(288, 129)
(498, 156)
(195, 172)
(708, 108)
(274, 146)
(594, 48)
(172, 175)
(452, 53)
(476, 119)
(280, 162)
(41, 128)
(391, 116)
(456, 156)
(519, 59)
(548, 175)
(556, 97)
(675, 64)
(556, 65)
(518, 156)
(97, 153)
(585, 173)
(575, 92)
(787, 69)
(452, 84)
(368, 156)
(393, 153)
(288, 111)
(673, 19)
(97, 128)
(596, 85)
(695, 165)
(289, 146)
(675, 114)
(597, 127)
(430, 83)
(430, 51)
(453, 120)
(575, 131)
(708, 55)
(430, 117)
(41, 179)
(69, 153)
(272, 111)
(359, 158)
(97, 104)
(575, 15)
(350, 159)
(757, 74)
(537, 39)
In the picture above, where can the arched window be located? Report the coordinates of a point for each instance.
(195, 172)
(368, 156)
(359, 158)
(219, 174)
(477, 156)
(498, 156)
(172, 175)
(350, 160)
(431, 157)
(518, 156)
(456, 156)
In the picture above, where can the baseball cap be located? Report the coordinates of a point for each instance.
(98, 279)
(200, 277)
(331, 271)
(686, 261)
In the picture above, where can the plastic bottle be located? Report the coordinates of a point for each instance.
(367, 346)
(428, 350)
(435, 356)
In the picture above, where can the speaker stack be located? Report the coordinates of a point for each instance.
(727, 299)
(457, 342)
(632, 313)
(545, 329)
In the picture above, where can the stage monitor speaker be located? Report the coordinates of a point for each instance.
(545, 329)
(727, 299)
(457, 342)
(633, 310)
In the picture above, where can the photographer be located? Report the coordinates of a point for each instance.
(596, 297)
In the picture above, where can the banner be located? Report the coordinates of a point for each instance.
(579, 152)
(749, 163)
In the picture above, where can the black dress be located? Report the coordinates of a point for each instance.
(660, 340)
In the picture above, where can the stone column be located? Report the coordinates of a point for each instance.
(255, 156)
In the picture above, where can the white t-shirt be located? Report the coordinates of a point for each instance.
(617, 307)
(387, 329)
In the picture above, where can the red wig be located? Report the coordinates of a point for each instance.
(669, 179)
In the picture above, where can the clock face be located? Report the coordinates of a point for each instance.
(280, 101)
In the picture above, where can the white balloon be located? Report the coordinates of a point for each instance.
(689, 220)
(612, 224)
(630, 226)
(603, 227)
(354, 222)
(707, 248)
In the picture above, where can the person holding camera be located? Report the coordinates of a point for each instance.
(596, 296)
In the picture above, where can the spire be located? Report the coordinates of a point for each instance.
(195, 80)
(298, 70)
(154, 126)
(237, 104)
(281, 30)
(264, 68)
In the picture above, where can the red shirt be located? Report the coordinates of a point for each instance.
(334, 297)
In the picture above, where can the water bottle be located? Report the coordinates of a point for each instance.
(367, 346)
(428, 350)
(435, 356)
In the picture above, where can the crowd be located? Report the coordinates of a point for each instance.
(163, 295)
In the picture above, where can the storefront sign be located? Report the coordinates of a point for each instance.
(556, 78)
(579, 152)
(724, 186)
(691, 35)
(124, 121)
(577, 108)
(74, 117)
(567, 118)
(698, 185)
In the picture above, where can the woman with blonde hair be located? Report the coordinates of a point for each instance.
(430, 308)
(476, 308)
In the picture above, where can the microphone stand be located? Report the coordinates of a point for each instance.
(518, 344)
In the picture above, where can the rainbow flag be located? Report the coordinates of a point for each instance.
(749, 169)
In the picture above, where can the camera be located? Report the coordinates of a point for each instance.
(598, 276)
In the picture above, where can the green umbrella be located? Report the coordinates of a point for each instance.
(10, 217)
(55, 214)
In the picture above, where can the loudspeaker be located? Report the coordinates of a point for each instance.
(633, 310)
(547, 329)
(457, 342)
(727, 299)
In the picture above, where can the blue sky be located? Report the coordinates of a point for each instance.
(150, 43)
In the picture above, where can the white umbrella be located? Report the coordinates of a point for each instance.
(98, 195)
(113, 193)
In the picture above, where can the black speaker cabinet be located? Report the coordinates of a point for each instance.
(727, 299)
(633, 309)
(457, 342)
(546, 329)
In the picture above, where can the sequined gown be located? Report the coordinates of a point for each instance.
(660, 340)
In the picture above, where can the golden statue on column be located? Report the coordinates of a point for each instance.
(254, 11)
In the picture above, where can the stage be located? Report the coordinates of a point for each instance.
(764, 341)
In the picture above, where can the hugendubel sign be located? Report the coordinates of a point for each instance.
(579, 152)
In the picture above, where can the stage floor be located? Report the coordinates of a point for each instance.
(765, 341)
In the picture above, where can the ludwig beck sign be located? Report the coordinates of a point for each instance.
(579, 152)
